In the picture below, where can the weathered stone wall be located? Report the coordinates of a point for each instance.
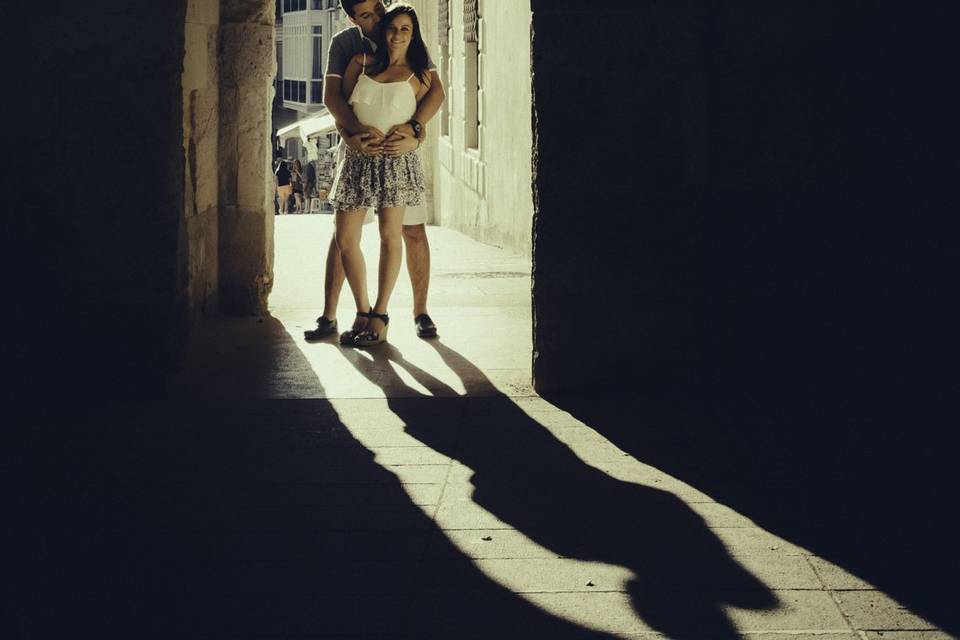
(94, 181)
(198, 268)
(427, 15)
(485, 191)
(247, 69)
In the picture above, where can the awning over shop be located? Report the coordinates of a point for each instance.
(315, 125)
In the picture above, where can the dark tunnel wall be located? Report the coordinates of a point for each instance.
(757, 203)
(757, 196)
(93, 145)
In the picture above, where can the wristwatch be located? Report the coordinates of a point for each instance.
(417, 127)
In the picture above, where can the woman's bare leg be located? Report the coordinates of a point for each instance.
(391, 255)
(349, 227)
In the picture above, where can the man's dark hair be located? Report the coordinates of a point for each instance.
(348, 5)
(417, 56)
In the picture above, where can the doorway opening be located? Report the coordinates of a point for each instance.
(478, 204)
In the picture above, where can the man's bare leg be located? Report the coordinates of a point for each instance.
(418, 266)
(332, 280)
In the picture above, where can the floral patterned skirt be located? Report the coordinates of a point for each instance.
(379, 181)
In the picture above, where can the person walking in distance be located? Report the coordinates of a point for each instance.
(366, 16)
(297, 181)
(284, 187)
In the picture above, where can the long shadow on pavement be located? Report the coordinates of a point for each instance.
(838, 473)
(237, 518)
(526, 477)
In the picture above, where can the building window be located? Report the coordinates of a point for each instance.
(290, 6)
(316, 78)
(446, 66)
(279, 80)
(471, 73)
(295, 90)
(316, 4)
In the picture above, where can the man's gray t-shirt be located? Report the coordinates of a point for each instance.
(348, 43)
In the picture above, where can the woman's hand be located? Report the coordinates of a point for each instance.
(406, 130)
(398, 144)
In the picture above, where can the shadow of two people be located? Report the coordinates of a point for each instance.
(526, 477)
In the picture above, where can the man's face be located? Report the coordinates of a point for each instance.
(366, 15)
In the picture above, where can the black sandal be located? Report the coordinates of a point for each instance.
(367, 338)
(324, 328)
(348, 338)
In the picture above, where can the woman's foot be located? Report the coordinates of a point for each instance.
(359, 324)
(375, 332)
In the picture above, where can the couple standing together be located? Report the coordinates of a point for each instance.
(381, 88)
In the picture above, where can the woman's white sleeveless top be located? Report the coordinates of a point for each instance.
(383, 104)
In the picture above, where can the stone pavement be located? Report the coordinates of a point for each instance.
(420, 490)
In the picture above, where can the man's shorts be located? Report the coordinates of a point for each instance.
(411, 216)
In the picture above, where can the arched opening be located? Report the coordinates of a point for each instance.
(478, 204)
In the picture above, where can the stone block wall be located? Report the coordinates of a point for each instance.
(484, 191)
(140, 181)
(247, 69)
(199, 263)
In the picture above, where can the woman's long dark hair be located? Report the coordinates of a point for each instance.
(417, 56)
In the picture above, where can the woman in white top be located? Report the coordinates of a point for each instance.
(384, 90)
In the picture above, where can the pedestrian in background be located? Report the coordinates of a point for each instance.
(284, 188)
(310, 182)
(297, 181)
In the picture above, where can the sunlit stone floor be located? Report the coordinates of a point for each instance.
(479, 299)
(421, 489)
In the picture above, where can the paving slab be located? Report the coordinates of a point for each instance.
(875, 611)
(908, 635)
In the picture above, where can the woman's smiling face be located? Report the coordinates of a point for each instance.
(399, 32)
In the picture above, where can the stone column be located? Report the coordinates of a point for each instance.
(248, 66)
(198, 266)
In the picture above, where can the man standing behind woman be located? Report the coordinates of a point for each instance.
(366, 141)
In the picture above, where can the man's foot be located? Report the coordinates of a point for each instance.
(325, 327)
(425, 326)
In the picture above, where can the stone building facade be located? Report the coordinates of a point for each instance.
(306, 30)
(481, 141)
